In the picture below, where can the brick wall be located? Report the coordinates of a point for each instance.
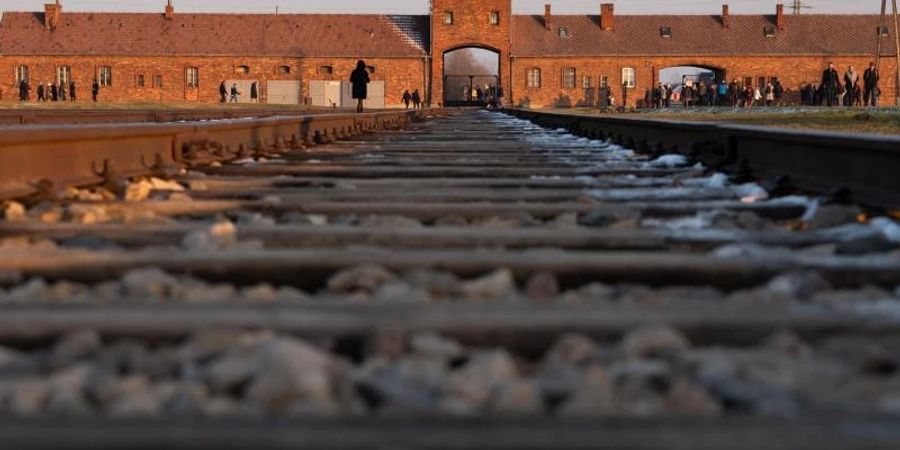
(471, 28)
(792, 71)
(398, 74)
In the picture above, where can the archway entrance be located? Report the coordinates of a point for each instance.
(470, 74)
(691, 77)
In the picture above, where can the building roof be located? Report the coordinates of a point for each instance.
(361, 35)
(809, 34)
(126, 34)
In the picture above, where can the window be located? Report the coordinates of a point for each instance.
(242, 69)
(568, 78)
(563, 32)
(604, 82)
(448, 17)
(326, 70)
(63, 75)
(371, 69)
(586, 82)
(157, 81)
(21, 73)
(748, 81)
(283, 70)
(769, 32)
(883, 31)
(104, 76)
(665, 32)
(628, 77)
(139, 81)
(192, 77)
(761, 82)
(495, 18)
(533, 77)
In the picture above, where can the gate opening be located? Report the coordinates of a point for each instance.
(682, 78)
(470, 73)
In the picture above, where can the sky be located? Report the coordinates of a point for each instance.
(420, 6)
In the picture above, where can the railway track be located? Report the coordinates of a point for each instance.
(469, 281)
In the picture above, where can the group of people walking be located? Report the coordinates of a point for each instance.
(415, 98)
(719, 93)
(835, 90)
(853, 89)
(50, 92)
(233, 95)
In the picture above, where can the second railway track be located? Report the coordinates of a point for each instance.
(523, 286)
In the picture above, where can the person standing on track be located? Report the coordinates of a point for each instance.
(416, 99)
(234, 93)
(830, 85)
(54, 92)
(870, 84)
(40, 93)
(360, 81)
(851, 76)
(72, 91)
(223, 93)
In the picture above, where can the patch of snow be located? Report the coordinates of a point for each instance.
(887, 227)
(751, 193)
(669, 161)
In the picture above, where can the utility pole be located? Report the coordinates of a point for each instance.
(880, 48)
(797, 6)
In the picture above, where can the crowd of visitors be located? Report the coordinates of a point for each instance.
(833, 90)
(51, 92)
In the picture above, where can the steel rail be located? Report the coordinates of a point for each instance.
(426, 433)
(63, 155)
(64, 116)
(817, 161)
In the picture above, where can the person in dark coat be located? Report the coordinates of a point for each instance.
(24, 90)
(72, 91)
(407, 98)
(40, 93)
(254, 93)
(416, 99)
(54, 92)
(779, 91)
(831, 82)
(870, 85)
(223, 93)
(95, 90)
(360, 80)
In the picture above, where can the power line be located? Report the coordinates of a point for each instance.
(797, 6)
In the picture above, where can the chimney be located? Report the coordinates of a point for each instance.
(779, 16)
(607, 16)
(52, 12)
(548, 16)
(170, 10)
(726, 17)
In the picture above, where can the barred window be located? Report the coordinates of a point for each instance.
(495, 18)
(139, 81)
(242, 69)
(604, 82)
(63, 75)
(283, 70)
(587, 82)
(448, 17)
(568, 78)
(104, 76)
(21, 73)
(326, 70)
(192, 77)
(628, 77)
(534, 77)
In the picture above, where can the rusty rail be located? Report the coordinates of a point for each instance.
(819, 161)
(33, 157)
(68, 116)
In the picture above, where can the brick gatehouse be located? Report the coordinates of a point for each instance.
(544, 60)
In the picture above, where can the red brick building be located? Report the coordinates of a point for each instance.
(544, 60)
